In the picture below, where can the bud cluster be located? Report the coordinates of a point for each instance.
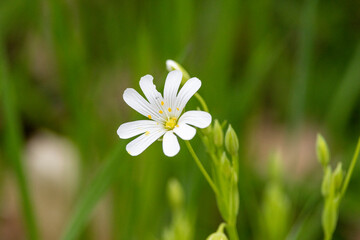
(330, 187)
(223, 149)
(181, 227)
(224, 152)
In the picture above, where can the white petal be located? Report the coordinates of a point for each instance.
(139, 144)
(149, 89)
(171, 65)
(170, 144)
(138, 103)
(198, 119)
(187, 91)
(131, 129)
(171, 88)
(185, 131)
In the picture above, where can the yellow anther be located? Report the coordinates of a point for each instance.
(177, 125)
(169, 109)
(178, 109)
(147, 133)
(161, 112)
(162, 102)
(149, 116)
(171, 123)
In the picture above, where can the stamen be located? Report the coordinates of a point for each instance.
(161, 112)
(169, 109)
(147, 133)
(162, 102)
(171, 123)
(149, 116)
(177, 125)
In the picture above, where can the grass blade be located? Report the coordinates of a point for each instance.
(13, 144)
(303, 62)
(93, 193)
(345, 98)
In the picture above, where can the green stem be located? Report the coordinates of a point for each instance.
(202, 102)
(351, 168)
(201, 167)
(328, 237)
(232, 231)
(13, 144)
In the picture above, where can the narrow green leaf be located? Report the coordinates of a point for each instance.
(96, 189)
(13, 143)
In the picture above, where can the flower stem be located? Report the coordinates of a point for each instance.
(201, 167)
(202, 102)
(232, 231)
(351, 168)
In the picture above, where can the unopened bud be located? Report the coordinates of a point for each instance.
(171, 65)
(175, 193)
(231, 141)
(219, 235)
(338, 176)
(326, 182)
(322, 151)
(329, 217)
(218, 134)
(234, 196)
(225, 165)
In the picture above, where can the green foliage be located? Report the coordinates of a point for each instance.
(322, 151)
(275, 212)
(273, 69)
(333, 188)
(181, 224)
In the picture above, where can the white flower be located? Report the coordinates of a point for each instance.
(164, 113)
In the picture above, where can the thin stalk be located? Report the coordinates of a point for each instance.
(201, 167)
(202, 102)
(93, 193)
(351, 168)
(232, 231)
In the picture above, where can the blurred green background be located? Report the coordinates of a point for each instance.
(278, 71)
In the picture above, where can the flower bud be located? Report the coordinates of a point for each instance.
(175, 194)
(234, 196)
(171, 65)
(226, 168)
(219, 235)
(218, 134)
(231, 141)
(338, 176)
(329, 217)
(326, 182)
(322, 151)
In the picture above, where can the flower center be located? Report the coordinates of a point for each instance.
(171, 123)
